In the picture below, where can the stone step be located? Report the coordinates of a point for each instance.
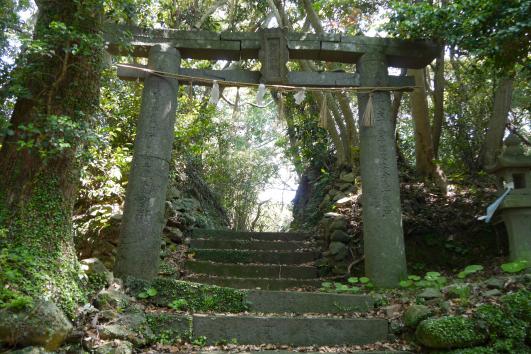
(252, 271)
(256, 283)
(306, 302)
(245, 235)
(254, 256)
(290, 330)
(328, 347)
(248, 245)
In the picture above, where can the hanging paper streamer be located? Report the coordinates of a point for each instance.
(299, 96)
(236, 110)
(491, 209)
(368, 115)
(323, 116)
(260, 95)
(281, 107)
(214, 94)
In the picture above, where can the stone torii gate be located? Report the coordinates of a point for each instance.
(140, 236)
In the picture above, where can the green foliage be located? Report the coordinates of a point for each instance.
(200, 341)
(449, 332)
(178, 304)
(500, 324)
(494, 30)
(354, 286)
(199, 297)
(149, 292)
(471, 269)
(430, 280)
(514, 267)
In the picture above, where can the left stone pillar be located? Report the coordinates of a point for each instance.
(143, 220)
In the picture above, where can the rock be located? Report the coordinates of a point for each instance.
(340, 236)
(111, 300)
(172, 193)
(392, 310)
(131, 326)
(117, 216)
(430, 293)
(338, 250)
(346, 186)
(334, 215)
(339, 196)
(42, 325)
(495, 283)
(115, 347)
(343, 202)
(415, 314)
(175, 234)
(348, 177)
(340, 268)
(93, 266)
(449, 332)
(338, 224)
(462, 291)
(492, 293)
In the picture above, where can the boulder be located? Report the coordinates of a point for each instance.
(343, 202)
(415, 314)
(132, 327)
(175, 234)
(114, 347)
(338, 224)
(42, 325)
(111, 299)
(93, 266)
(495, 283)
(340, 236)
(449, 332)
(338, 250)
(348, 177)
(492, 293)
(430, 293)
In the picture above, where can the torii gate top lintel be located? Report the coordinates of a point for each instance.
(274, 47)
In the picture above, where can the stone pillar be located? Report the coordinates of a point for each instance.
(385, 258)
(143, 219)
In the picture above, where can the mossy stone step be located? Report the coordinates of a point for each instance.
(255, 256)
(252, 270)
(288, 351)
(306, 302)
(248, 245)
(290, 330)
(244, 235)
(256, 283)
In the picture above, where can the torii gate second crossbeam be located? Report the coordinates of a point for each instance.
(142, 224)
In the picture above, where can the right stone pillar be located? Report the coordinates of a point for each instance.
(385, 258)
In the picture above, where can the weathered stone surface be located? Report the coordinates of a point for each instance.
(340, 236)
(338, 224)
(306, 302)
(385, 260)
(243, 235)
(495, 283)
(254, 256)
(174, 234)
(289, 330)
(430, 293)
(95, 266)
(338, 250)
(143, 220)
(131, 326)
(111, 300)
(492, 293)
(348, 177)
(256, 283)
(252, 271)
(175, 326)
(247, 245)
(115, 347)
(415, 314)
(43, 325)
(449, 332)
(30, 350)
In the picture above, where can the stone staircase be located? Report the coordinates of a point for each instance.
(267, 264)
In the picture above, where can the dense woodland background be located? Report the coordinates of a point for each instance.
(67, 126)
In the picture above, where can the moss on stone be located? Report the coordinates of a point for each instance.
(199, 297)
(168, 328)
(227, 256)
(500, 324)
(449, 332)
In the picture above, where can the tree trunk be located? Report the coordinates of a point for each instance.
(438, 103)
(496, 127)
(38, 165)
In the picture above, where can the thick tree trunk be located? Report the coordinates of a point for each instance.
(38, 166)
(496, 127)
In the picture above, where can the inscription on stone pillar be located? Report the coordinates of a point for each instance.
(274, 56)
